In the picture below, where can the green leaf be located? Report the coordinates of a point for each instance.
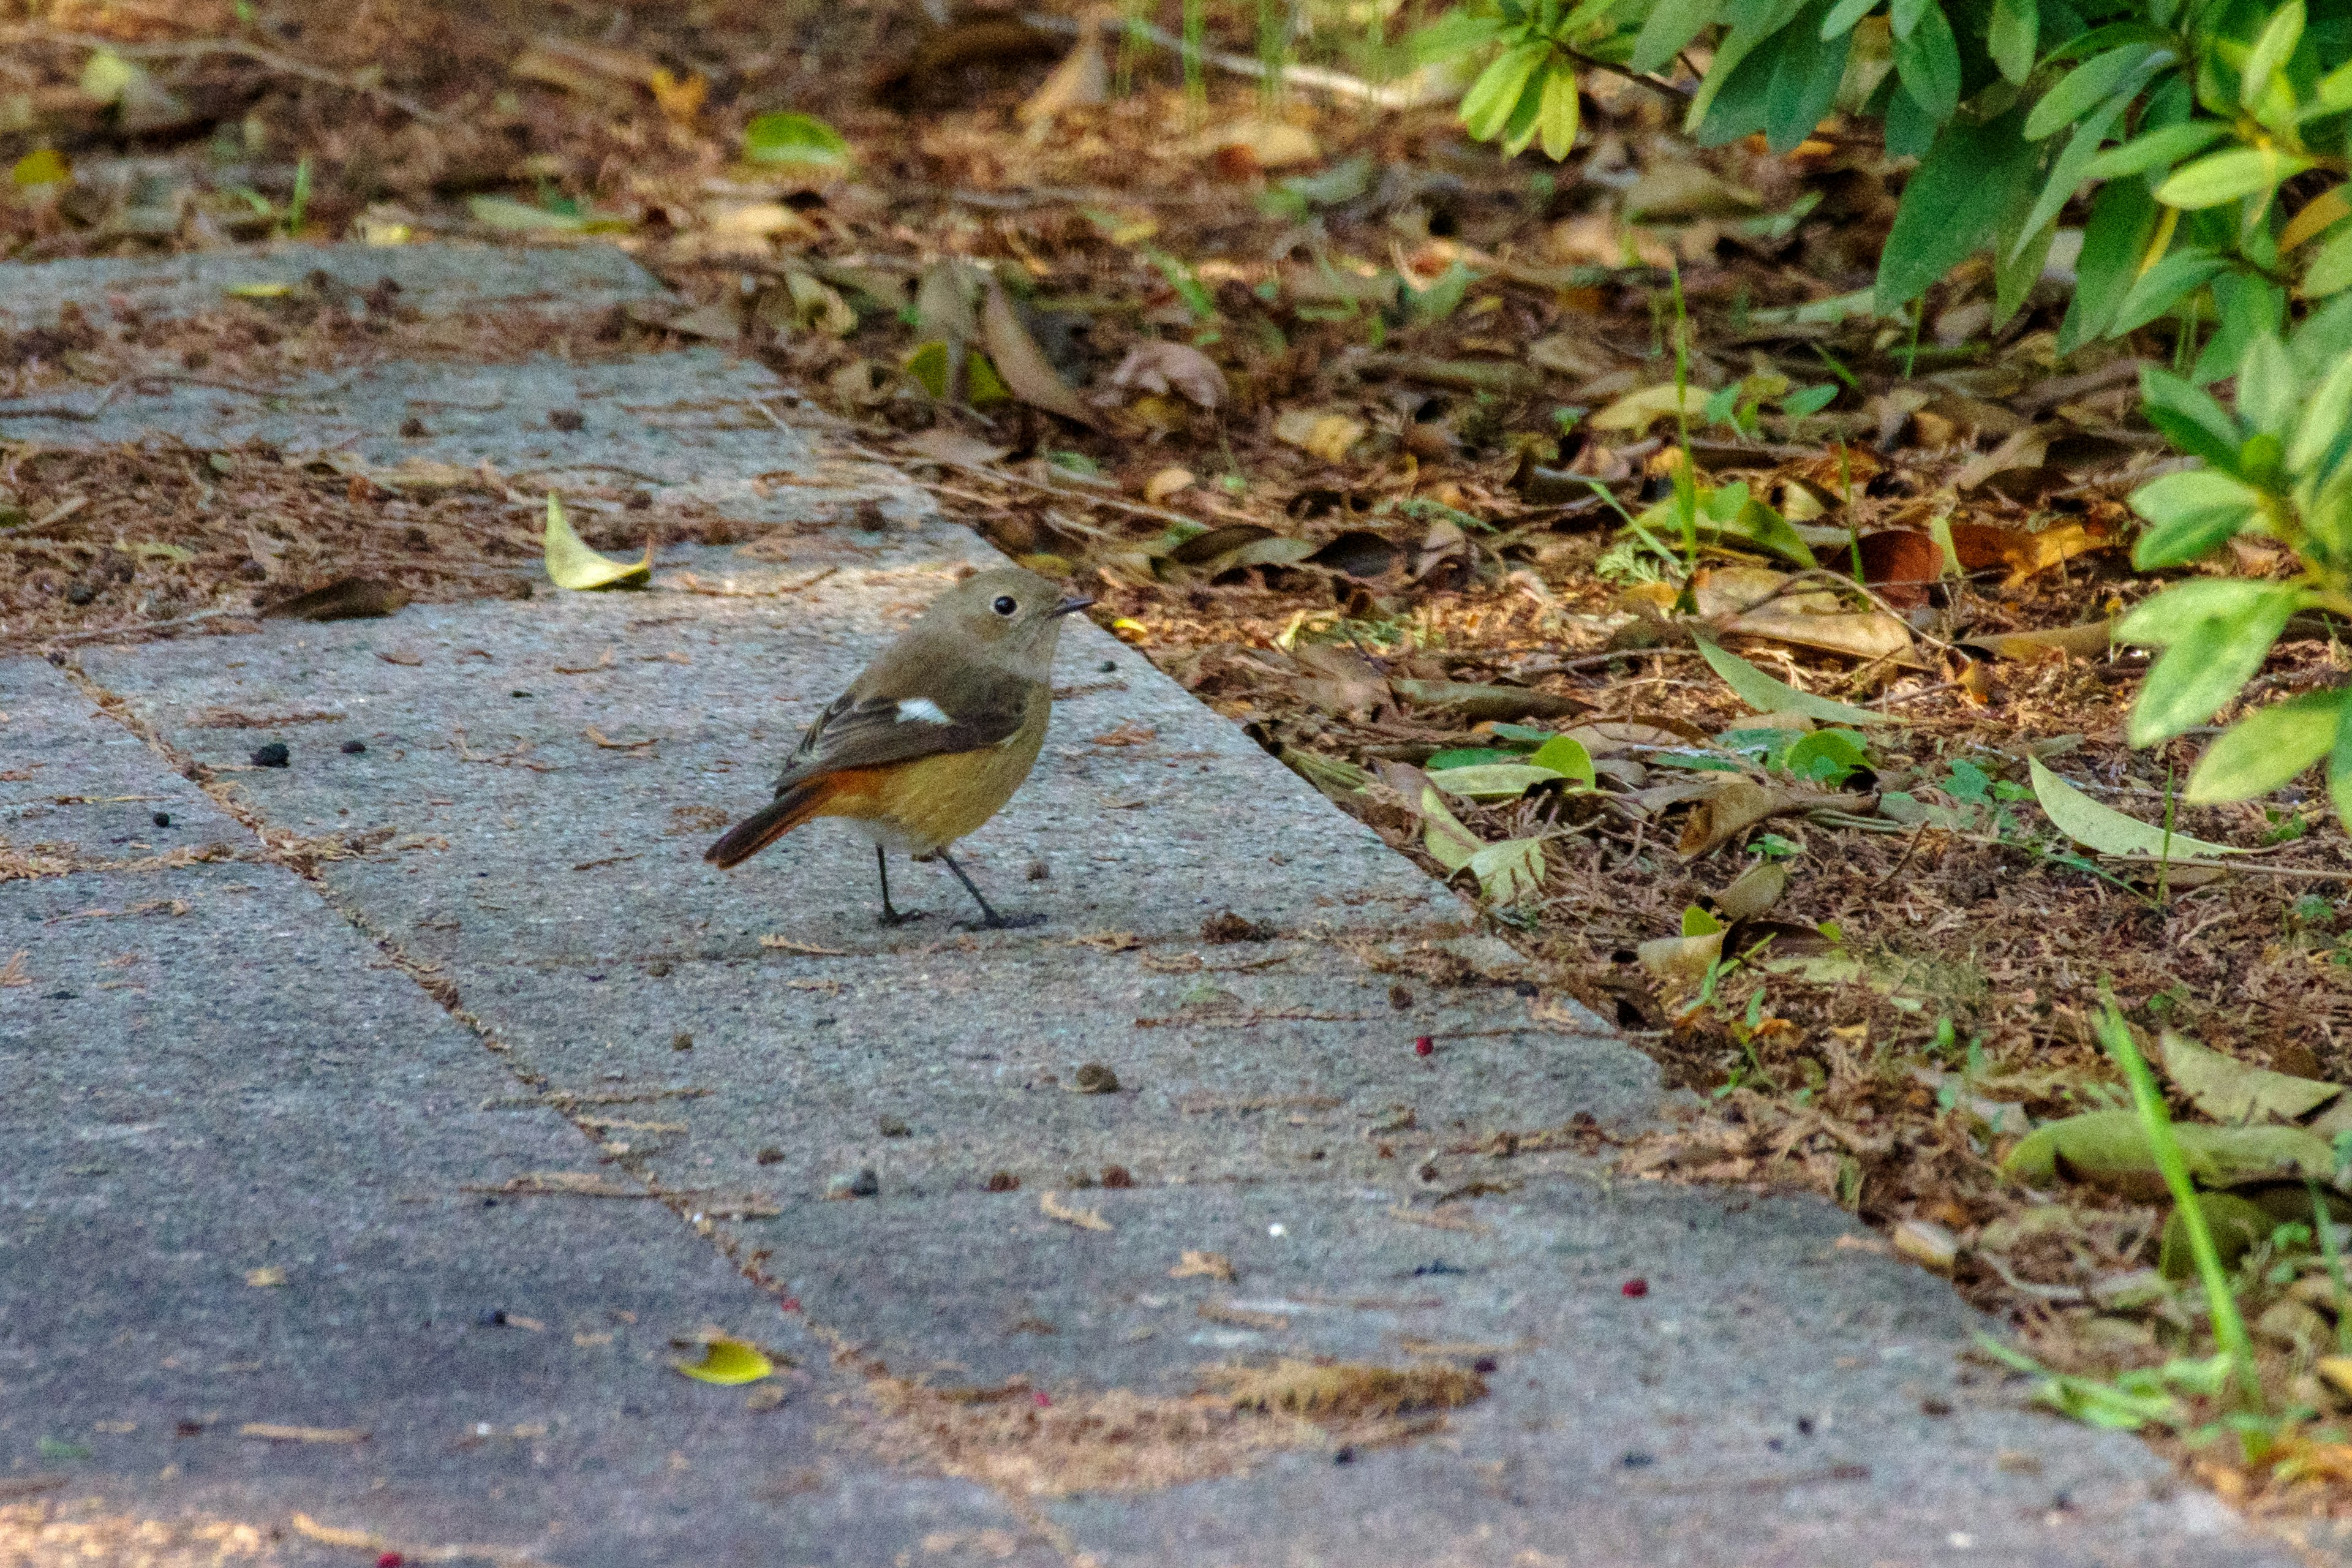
(2095, 79)
(1509, 871)
(1486, 108)
(1826, 757)
(2172, 614)
(1671, 27)
(2123, 219)
(522, 217)
(2322, 422)
(2228, 1089)
(2228, 176)
(1491, 781)
(1470, 757)
(2267, 385)
(2279, 37)
(2330, 271)
(1806, 71)
(2340, 774)
(2067, 172)
(2111, 1148)
(1904, 16)
(1518, 132)
(786, 138)
(1556, 117)
(1929, 63)
(2191, 417)
(2105, 830)
(1750, 23)
(2267, 748)
(2185, 525)
(2191, 493)
(2334, 92)
(1845, 14)
(572, 564)
(2016, 272)
(1459, 32)
(2165, 284)
(1766, 695)
(2011, 36)
(1972, 178)
(2159, 149)
(2205, 665)
(1566, 756)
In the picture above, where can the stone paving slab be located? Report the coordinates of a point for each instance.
(1149, 839)
(437, 280)
(246, 1084)
(1769, 1401)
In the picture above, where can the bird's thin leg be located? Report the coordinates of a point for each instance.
(890, 917)
(991, 920)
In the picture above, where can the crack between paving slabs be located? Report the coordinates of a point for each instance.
(300, 856)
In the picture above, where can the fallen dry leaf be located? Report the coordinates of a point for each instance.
(1028, 374)
(1204, 1264)
(1164, 367)
(1053, 1207)
(276, 1433)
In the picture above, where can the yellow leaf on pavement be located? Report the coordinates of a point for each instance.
(572, 564)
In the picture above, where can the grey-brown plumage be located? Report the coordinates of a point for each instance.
(935, 736)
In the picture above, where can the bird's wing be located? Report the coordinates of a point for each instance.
(866, 730)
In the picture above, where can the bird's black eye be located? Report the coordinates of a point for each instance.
(1004, 605)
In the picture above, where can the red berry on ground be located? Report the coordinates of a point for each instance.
(1044, 1400)
(1634, 1287)
(1423, 1044)
(390, 1559)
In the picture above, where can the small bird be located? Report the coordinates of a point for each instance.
(934, 738)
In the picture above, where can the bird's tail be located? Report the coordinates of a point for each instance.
(772, 822)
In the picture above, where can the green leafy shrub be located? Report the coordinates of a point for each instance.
(2186, 129)
(2187, 117)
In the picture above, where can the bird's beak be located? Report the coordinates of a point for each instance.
(1069, 606)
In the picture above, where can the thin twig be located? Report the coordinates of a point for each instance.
(195, 49)
(1339, 84)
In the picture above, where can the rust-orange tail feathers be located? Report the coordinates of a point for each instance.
(772, 822)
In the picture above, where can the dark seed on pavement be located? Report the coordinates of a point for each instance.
(770, 1156)
(353, 748)
(273, 755)
(1118, 1176)
(681, 1041)
(893, 1127)
(1003, 1182)
(163, 819)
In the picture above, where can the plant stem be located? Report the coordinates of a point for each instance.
(2155, 1125)
(2334, 1257)
(1196, 81)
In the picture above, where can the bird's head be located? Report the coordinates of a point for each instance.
(1010, 616)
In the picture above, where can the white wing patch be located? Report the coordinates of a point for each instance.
(922, 710)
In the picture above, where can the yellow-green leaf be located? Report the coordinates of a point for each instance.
(786, 138)
(259, 291)
(41, 166)
(2110, 1148)
(1492, 781)
(572, 564)
(2105, 830)
(1766, 695)
(2229, 1091)
(2226, 176)
(729, 1362)
(1509, 871)
(1565, 755)
(106, 75)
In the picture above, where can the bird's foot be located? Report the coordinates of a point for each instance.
(890, 919)
(1006, 922)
